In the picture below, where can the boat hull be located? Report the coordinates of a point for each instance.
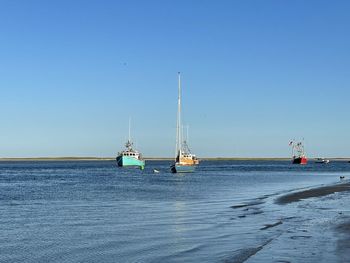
(299, 160)
(182, 168)
(127, 161)
(322, 161)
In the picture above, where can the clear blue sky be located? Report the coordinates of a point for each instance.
(255, 74)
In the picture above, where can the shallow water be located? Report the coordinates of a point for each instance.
(224, 212)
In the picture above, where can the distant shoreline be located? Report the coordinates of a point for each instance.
(157, 159)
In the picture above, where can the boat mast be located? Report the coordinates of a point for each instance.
(187, 139)
(129, 129)
(129, 143)
(303, 149)
(178, 121)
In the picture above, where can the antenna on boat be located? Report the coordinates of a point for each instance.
(187, 138)
(292, 146)
(129, 129)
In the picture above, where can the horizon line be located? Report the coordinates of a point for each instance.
(94, 158)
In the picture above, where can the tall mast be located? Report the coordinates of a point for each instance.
(187, 138)
(178, 122)
(129, 129)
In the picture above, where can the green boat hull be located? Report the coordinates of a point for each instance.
(177, 168)
(127, 161)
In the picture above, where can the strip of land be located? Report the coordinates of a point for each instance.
(58, 159)
(88, 158)
(146, 158)
(315, 192)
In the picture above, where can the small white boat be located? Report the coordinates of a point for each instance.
(321, 160)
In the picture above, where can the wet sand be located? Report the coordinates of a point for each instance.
(315, 192)
(343, 243)
(341, 229)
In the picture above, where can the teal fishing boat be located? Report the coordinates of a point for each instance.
(130, 157)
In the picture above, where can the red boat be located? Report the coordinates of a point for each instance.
(298, 153)
(299, 160)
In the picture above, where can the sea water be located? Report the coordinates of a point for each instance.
(94, 211)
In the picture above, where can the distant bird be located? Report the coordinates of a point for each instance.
(342, 177)
(155, 171)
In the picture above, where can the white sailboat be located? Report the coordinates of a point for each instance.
(185, 161)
